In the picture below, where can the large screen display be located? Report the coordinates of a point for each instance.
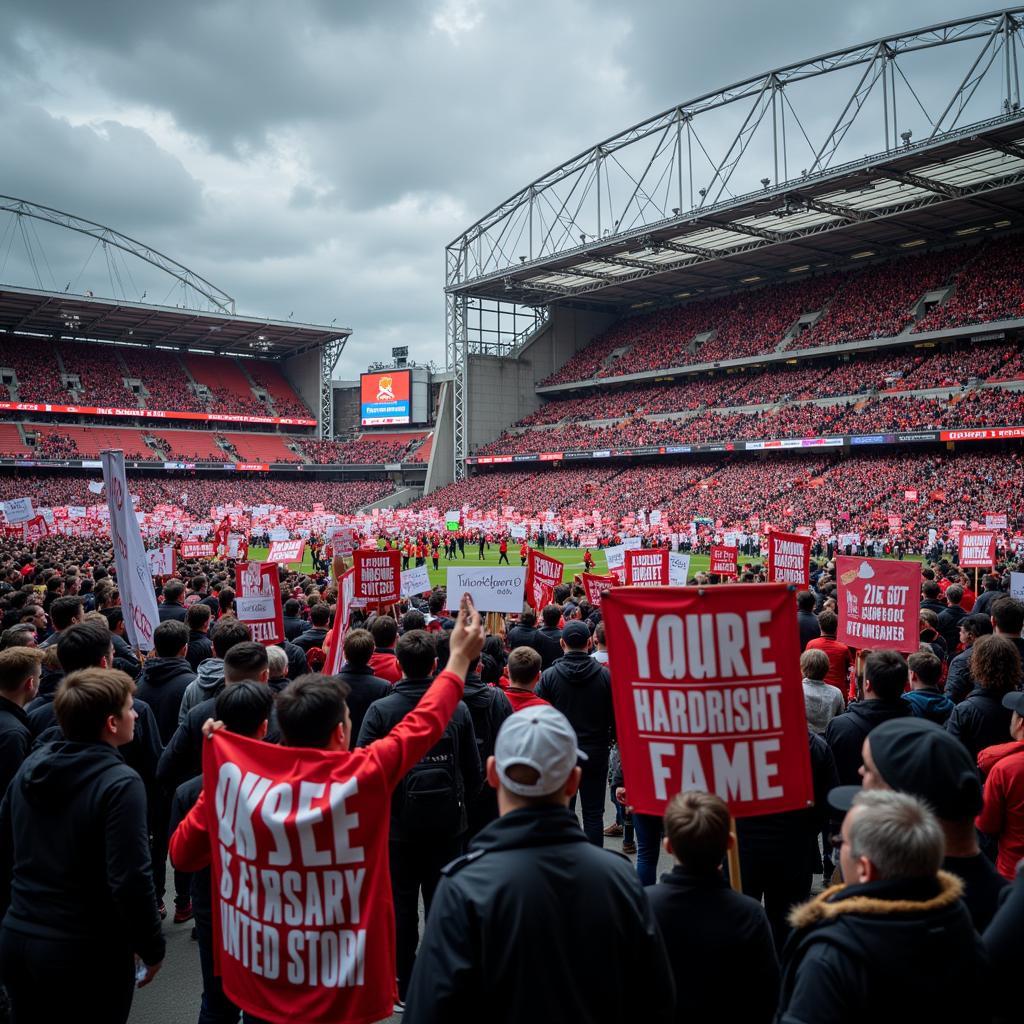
(385, 398)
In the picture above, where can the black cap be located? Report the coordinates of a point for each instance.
(913, 755)
(575, 634)
(1014, 700)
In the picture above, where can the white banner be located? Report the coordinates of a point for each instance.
(95, 486)
(631, 543)
(415, 581)
(492, 590)
(678, 568)
(279, 533)
(18, 510)
(1017, 585)
(517, 532)
(655, 517)
(76, 511)
(134, 581)
(616, 556)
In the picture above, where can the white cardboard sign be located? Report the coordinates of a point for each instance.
(492, 590)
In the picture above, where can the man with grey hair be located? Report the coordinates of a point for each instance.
(894, 942)
(277, 663)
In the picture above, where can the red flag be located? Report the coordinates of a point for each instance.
(596, 587)
(879, 603)
(647, 567)
(287, 551)
(543, 574)
(789, 559)
(707, 696)
(724, 560)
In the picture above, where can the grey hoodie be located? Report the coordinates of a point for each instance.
(823, 702)
(209, 682)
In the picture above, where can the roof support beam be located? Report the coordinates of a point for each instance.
(918, 181)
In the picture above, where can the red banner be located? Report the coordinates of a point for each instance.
(543, 574)
(258, 601)
(977, 550)
(286, 551)
(789, 559)
(378, 576)
(879, 603)
(34, 530)
(724, 560)
(596, 587)
(707, 696)
(647, 568)
(196, 549)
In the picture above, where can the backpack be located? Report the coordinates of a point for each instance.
(432, 794)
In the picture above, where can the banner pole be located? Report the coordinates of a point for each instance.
(734, 858)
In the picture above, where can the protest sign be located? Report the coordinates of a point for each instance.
(707, 696)
(162, 561)
(415, 581)
(258, 601)
(1017, 585)
(724, 560)
(344, 539)
(492, 590)
(615, 556)
(35, 530)
(452, 520)
(631, 543)
(335, 650)
(96, 487)
(134, 581)
(596, 586)
(196, 549)
(238, 546)
(378, 576)
(995, 520)
(286, 551)
(647, 568)
(977, 550)
(678, 568)
(789, 559)
(543, 575)
(879, 603)
(18, 510)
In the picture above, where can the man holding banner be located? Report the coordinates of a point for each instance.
(310, 819)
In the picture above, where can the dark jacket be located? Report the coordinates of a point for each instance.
(293, 627)
(983, 606)
(845, 733)
(810, 629)
(488, 707)
(884, 952)
(296, 659)
(161, 684)
(552, 638)
(958, 679)
(936, 606)
(74, 851)
(949, 627)
(980, 720)
(364, 689)
(185, 797)
(172, 610)
(313, 637)
(708, 929)
(983, 886)
(199, 648)
(15, 741)
(533, 874)
(581, 689)
(384, 714)
(1004, 939)
(527, 636)
(930, 704)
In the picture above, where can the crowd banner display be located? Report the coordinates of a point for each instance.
(134, 581)
(493, 590)
(977, 549)
(789, 559)
(596, 586)
(647, 567)
(879, 603)
(162, 560)
(238, 546)
(284, 817)
(35, 530)
(18, 510)
(707, 695)
(724, 560)
(415, 581)
(1017, 585)
(345, 540)
(995, 521)
(615, 557)
(196, 549)
(258, 601)
(336, 653)
(286, 551)
(95, 486)
(453, 520)
(543, 575)
(378, 576)
(678, 568)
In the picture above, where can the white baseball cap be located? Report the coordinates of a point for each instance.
(541, 738)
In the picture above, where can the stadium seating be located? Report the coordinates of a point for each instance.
(261, 447)
(191, 445)
(227, 383)
(90, 441)
(367, 448)
(101, 373)
(164, 378)
(270, 378)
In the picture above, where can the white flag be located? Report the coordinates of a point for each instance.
(134, 580)
(95, 486)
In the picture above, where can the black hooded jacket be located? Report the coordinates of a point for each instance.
(528, 636)
(364, 689)
(74, 851)
(886, 952)
(581, 688)
(846, 732)
(161, 684)
(980, 720)
(488, 707)
(533, 874)
(15, 741)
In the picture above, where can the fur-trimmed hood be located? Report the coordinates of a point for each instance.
(820, 909)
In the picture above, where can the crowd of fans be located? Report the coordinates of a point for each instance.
(366, 449)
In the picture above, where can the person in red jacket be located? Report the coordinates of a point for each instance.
(588, 560)
(523, 675)
(435, 554)
(503, 551)
(1002, 814)
(524, 553)
(312, 714)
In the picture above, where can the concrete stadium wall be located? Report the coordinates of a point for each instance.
(303, 373)
(441, 465)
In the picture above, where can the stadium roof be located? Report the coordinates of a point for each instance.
(63, 316)
(651, 235)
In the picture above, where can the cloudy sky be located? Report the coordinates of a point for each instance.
(314, 157)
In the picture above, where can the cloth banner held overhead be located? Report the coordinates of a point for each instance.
(789, 559)
(707, 696)
(196, 549)
(134, 580)
(596, 587)
(879, 603)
